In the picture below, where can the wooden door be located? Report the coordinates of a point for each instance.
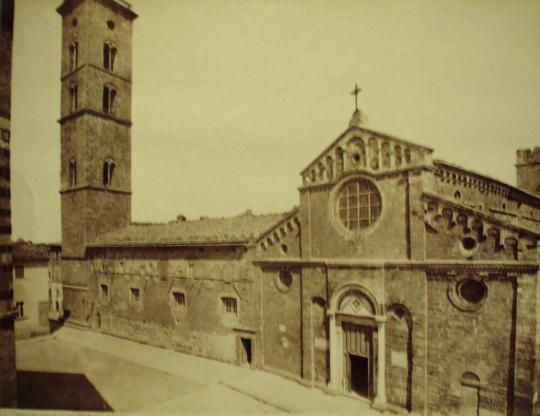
(357, 342)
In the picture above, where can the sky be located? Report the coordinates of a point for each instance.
(233, 98)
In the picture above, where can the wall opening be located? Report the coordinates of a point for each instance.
(246, 352)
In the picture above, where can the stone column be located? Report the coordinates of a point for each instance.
(380, 400)
(334, 374)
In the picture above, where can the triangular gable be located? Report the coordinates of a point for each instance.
(362, 149)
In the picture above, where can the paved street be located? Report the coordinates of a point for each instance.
(84, 370)
(56, 374)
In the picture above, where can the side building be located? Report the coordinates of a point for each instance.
(8, 376)
(33, 291)
(401, 280)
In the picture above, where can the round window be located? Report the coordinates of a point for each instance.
(358, 204)
(284, 280)
(468, 243)
(472, 291)
(467, 294)
(110, 24)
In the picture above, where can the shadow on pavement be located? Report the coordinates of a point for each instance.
(60, 391)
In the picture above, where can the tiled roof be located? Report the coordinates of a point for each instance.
(24, 251)
(242, 229)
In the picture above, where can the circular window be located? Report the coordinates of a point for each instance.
(468, 294)
(284, 248)
(472, 291)
(110, 24)
(468, 243)
(358, 204)
(356, 157)
(284, 280)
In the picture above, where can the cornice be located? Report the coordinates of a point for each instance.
(95, 189)
(84, 111)
(479, 214)
(89, 65)
(373, 174)
(428, 265)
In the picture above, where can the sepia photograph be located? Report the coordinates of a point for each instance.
(270, 206)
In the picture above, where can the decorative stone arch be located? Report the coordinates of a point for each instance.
(73, 50)
(109, 98)
(356, 153)
(109, 55)
(355, 304)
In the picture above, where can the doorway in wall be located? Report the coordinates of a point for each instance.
(357, 340)
(359, 375)
(245, 351)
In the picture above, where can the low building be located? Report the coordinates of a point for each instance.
(33, 298)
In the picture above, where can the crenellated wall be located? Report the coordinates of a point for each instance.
(528, 170)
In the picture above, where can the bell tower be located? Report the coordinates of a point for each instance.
(95, 122)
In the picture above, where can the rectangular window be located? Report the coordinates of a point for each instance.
(135, 295)
(104, 291)
(19, 272)
(179, 299)
(20, 310)
(230, 307)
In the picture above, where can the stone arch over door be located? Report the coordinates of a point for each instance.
(354, 306)
(399, 356)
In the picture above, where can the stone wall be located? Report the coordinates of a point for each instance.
(204, 276)
(8, 378)
(481, 343)
(323, 235)
(8, 385)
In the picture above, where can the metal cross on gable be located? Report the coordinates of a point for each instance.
(355, 93)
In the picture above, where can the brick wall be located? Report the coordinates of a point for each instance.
(480, 342)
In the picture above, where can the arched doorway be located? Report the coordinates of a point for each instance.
(356, 342)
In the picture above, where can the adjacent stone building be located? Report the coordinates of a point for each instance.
(34, 293)
(401, 280)
(8, 383)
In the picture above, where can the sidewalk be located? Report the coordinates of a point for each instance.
(273, 390)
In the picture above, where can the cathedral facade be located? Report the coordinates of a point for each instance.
(402, 280)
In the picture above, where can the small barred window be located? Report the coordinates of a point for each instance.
(230, 307)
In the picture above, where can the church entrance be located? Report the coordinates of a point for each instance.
(358, 359)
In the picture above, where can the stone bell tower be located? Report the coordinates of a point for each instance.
(95, 135)
(528, 170)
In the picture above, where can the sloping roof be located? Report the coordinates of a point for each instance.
(28, 251)
(532, 198)
(242, 229)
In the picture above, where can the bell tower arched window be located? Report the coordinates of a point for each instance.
(73, 97)
(108, 171)
(109, 56)
(72, 173)
(109, 95)
(73, 55)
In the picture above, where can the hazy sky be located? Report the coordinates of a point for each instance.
(232, 99)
